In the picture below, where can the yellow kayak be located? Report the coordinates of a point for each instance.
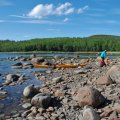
(58, 66)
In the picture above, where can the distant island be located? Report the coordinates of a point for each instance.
(93, 43)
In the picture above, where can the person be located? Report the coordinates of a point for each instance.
(103, 56)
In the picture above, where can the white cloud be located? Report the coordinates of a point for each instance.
(81, 10)
(44, 10)
(35, 22)
(5, 3)
(64, 9)
(41, 10)
(19, 16)
(65, 20)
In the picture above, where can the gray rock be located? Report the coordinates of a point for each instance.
(2, 116)
(26, 105)
(33, 56)
(104, 81)
(30, 91)
(37, 60)
(27, 64)
(65, 100)
(81, 71)
(89, 96)
(17, 65)
(11, 78)
(90, 114)
(114, 73)
(57, 79)
(80, 117)
(41, 100)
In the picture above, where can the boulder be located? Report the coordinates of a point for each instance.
(10, 78)
(114, 73)
(89, 96)
(37, 60)
(17, 65)
(3, 94)
(30, 91)
(41, 100)
(27, 65)
(59, 93)
(90, 114)
(32, 56)
(104, 81)
(26, 105)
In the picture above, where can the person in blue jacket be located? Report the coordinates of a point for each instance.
(103, 56)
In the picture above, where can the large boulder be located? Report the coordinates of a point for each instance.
(90, 114)
(89, 96)
(104, 81)
(37, 60)
(30, 91)
(114, 73)
(41, 100)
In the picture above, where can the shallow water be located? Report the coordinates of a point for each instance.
(66, 55)
(14, 93)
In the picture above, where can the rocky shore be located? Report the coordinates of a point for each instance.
(84, 93)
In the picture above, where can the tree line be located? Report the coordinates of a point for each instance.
(66, 44)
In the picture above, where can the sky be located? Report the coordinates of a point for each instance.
(27, 19)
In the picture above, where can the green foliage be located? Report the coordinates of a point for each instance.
(92, 43)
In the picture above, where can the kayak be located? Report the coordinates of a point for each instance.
(43, 66)
(58, 66)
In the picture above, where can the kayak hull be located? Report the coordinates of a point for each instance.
(58, 66)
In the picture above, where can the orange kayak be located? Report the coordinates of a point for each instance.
(58, 66)
(42, 66)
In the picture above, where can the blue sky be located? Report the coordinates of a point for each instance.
(26, 19)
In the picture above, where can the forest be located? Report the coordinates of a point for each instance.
(66, 44)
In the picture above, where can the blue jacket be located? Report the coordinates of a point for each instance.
(103, 54)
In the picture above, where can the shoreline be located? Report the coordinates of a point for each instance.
(59, 52)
